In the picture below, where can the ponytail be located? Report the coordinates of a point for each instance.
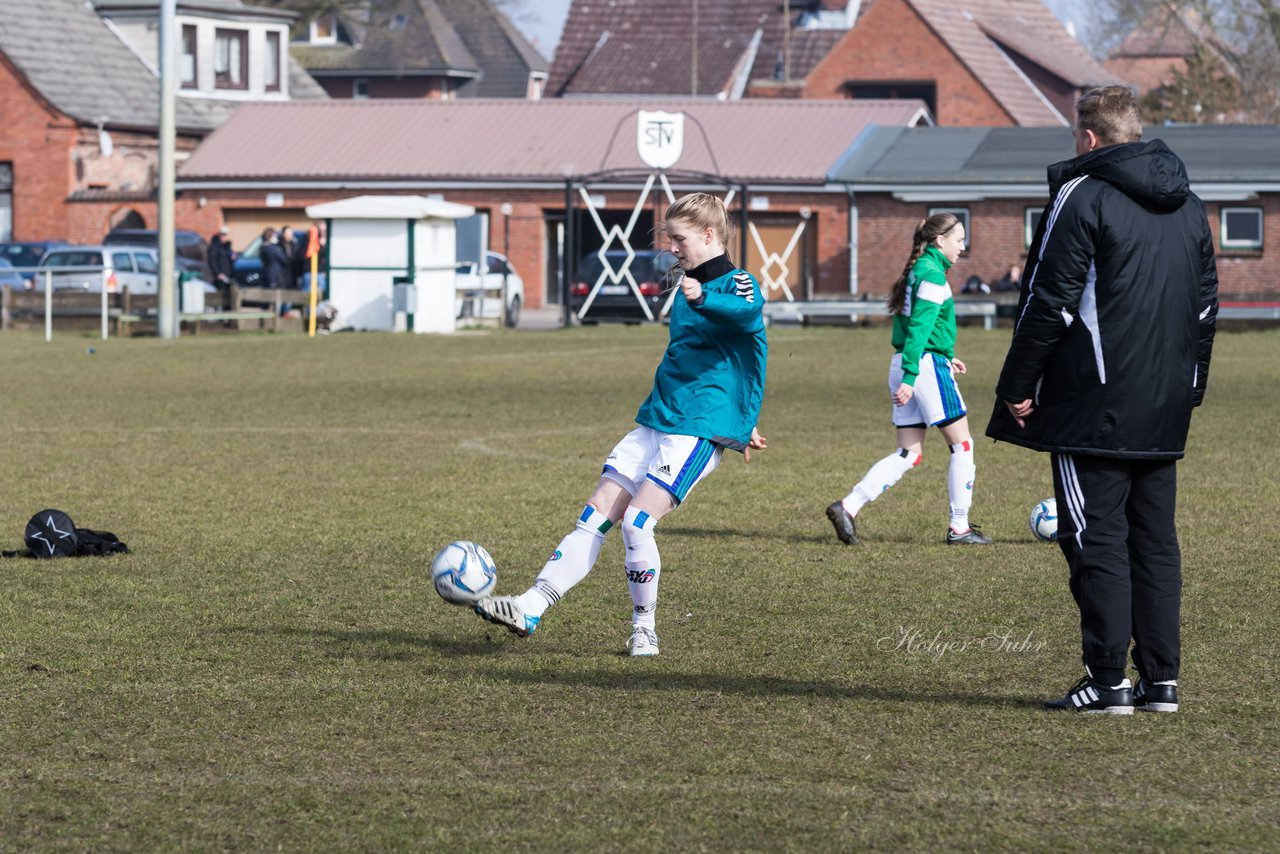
(927, 231)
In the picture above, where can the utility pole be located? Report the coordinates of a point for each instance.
(694, 80)
(166, 315)
(786, 41)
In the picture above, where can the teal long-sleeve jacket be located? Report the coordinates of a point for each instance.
(710, 382)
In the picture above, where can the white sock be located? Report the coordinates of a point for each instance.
(644, 566)
(879, 478)
(960, 484)
(568, 564)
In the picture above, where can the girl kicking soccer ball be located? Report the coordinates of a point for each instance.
(706, 397)
(922, 383)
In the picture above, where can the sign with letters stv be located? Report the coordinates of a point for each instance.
(660, 137)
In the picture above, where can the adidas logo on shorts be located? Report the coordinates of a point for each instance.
(664, 470)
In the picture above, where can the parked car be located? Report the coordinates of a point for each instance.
(190, 248)
(246, 269)
(27, 254)
(112, 268)
(616, 302)
(11, 277)
(477, 297)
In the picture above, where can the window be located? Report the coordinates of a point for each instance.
(324, 30)
(188, 61)
(360, 88)
(231, 59)
(272, 64)
(6, 201)
(1030, 222)
(1241, 228)
(121, 262)
(963, 214)
(496, 264)
(146, 262)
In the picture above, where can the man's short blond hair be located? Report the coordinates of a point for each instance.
(1111, 112)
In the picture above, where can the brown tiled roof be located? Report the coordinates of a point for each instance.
(535, 141)
(644, 47)
(1161, 34)
(974, 30)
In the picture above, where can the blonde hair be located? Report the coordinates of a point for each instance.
(926, 233)
(703, 210)
(1111, 112)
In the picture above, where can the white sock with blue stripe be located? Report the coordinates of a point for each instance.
(879, 478)
(568, 564)
(960, 484)
(644, 566)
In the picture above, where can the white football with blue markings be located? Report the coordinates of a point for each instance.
(463, 573)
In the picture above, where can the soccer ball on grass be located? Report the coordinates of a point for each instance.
(463, 573)
(1044, 520)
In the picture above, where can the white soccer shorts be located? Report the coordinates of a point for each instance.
(937, 398)
(674, 462)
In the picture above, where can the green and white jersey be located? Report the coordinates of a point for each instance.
(927, 322)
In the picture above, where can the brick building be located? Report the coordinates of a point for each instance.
(552, 160)
(976, 62)
(79, 91)
(995, 179)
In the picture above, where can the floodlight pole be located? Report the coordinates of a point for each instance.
(166, 320)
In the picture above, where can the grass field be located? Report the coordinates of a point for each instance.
(270, 669)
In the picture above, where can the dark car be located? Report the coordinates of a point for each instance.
(26, 255)
(246, 270)
(191, 249)
(655, 275)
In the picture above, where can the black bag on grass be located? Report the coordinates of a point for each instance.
(51, 533)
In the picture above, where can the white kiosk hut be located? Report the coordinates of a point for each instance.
(392, 261)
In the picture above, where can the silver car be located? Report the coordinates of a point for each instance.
(93, 269)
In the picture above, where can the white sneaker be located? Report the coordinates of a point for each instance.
(644, 641)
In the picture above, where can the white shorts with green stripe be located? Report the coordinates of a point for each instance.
(937, 398)
(674, 462)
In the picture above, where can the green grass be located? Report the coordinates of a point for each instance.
(270, 669)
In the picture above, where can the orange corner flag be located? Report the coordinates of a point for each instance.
(313, 241)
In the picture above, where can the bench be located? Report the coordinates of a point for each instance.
(854, 311)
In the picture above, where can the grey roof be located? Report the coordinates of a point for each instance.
(505, 57)
(69, 56)
(426, 42)
(950, 155)
(236, 7)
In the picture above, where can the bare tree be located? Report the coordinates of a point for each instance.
(1233, 74)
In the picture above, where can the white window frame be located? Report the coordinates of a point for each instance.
(1028, 229)
(332, 38)
(273, 59)
(1226, 242)
(963, 215)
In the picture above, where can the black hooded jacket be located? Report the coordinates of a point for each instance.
(1116, 316)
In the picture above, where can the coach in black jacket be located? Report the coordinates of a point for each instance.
(1109, 356)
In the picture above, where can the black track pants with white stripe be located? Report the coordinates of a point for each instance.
(1116, 529)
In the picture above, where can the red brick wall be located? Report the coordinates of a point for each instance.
(38, 142)
(892, 43)
(1245, 275)
(885, 227)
